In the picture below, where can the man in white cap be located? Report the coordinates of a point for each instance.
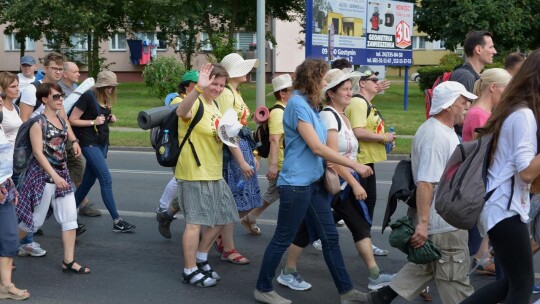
(433, 144)
(282, 88)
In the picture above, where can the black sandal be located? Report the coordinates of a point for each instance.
(200, 282)
(69, 268)
(210, 272)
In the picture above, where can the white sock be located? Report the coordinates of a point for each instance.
(202, 256)
(188, 271)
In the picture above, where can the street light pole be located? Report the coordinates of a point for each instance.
(261, 53)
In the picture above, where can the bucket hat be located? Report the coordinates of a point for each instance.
(106, 79)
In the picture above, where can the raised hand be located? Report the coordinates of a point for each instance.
(204, 76)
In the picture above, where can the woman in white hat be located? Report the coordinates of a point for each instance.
(302, 194)
(239, 166)
(204, 197)
(282, 92)
(349, 204)
(91, 116)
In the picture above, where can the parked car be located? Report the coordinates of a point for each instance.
(415, 77)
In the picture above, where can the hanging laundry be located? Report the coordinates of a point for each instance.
(135, 50)
(154, 46)
(145, 55)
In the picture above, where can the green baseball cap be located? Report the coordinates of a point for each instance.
(191, 75)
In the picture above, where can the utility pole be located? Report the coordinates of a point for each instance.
(261, 53)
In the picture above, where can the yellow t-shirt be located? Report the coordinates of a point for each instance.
(207, 144)
(275, 127)
(370, 152)
(177, 99)
(231, 98)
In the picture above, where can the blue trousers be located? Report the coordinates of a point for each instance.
(312, 203)
(96, 168)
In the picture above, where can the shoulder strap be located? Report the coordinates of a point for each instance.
(367, 104)
(38, 104)
(196, 119)
(277, 106)
(336, 115)
(228, 86)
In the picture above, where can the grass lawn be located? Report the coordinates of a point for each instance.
(132, 98)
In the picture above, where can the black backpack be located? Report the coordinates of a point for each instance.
(336, 116)
(262, 135)
(167, 156)
(38, 104)
(22, 152)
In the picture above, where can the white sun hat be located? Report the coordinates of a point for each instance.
(337, 76)
(236, 66)
(445, 94)
(281, 82)
(228, 128)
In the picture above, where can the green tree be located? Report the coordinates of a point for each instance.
(513, 23)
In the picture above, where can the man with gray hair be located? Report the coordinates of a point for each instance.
(70, 78)
(433, 144)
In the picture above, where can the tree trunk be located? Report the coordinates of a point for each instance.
(96, 64)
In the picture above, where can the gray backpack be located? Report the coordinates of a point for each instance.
(461, 192)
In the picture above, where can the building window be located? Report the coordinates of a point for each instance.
(117, 42)
(151, 36)
(438, 45)
(419, 42)
(11, 44)
(79, 42)
(205, 42)
(244, 39)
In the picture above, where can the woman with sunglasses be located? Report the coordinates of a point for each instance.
(368, 127)
(46, 182)
(91, 117)
(9, 242)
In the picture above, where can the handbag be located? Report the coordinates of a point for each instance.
(331, 181)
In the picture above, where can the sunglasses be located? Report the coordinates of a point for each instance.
(56, 97)
(373, 79)
(2, 95)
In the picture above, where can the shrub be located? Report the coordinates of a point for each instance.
(429, 74)
(163, 75)
(451, 60)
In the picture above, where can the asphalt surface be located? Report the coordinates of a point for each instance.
(143, 267)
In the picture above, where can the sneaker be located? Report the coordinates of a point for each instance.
(353, 296)
(89, 210)
(32, 249)
(293, 280)
(340, 223)
(270, 297)
(317, 244)
(384, 279)
(123, 226)
(164, 225)
(378, 251)
(536, 289)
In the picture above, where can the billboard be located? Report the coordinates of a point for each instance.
(365, 32)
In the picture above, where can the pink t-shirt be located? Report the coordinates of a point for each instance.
(475, 118)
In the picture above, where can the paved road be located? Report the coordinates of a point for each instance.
(143, 267)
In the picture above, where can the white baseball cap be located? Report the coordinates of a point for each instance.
(445, 94)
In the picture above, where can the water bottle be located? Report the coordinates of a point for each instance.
(164, 145)
(389, 145)
(242, 181)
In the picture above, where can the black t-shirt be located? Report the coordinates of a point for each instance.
(88, 135)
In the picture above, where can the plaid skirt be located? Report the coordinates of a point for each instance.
(207, 203)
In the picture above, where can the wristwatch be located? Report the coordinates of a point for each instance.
(92, 122)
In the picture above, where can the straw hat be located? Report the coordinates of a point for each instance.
(337, 76)
(106, 79)
(281, 82)
(236, 66)
(228, 128)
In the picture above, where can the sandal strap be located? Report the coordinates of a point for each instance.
(68, 265)
(188, 277)
(226, 254)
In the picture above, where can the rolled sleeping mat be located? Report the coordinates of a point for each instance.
(151, 118)
(261, 115)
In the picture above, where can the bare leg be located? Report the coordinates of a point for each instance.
(228, 243)
(366, 252)
(259, 210)
(68, 240)
(209, 236)
(5, 276)
(190, 243)
(22, 234)
(483, 251)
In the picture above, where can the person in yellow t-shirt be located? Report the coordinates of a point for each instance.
(203, 194)
(239, 163)
(368, 127)
(282, 85)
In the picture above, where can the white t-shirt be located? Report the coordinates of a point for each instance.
(28, 97)
(347, 142)
(24, 82)
(516, 147)
(11, 123)
(432, 146)
(6, 157)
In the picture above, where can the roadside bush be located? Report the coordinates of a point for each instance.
(451, 60)
(163, 75)
(429, 74)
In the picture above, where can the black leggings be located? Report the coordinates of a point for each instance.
(510, 240)
(370, 185)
